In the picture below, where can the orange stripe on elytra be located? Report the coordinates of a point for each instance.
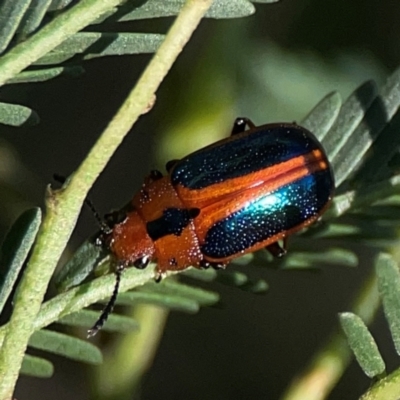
(222, 207)
(270, 178)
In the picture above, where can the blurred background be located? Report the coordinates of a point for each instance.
(273, 66)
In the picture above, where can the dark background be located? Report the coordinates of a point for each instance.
(273, 66)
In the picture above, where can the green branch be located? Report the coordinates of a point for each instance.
(63, 206)
(385, 389)
(51, 35)
(80, 297)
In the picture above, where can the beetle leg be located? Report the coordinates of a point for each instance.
(276, 249)
(170, 164)
(218, 266)
(158, 277)
(204, 264)
(110, 305)
(240, 125)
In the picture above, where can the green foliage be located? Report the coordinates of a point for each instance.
(361, 141)
(360, 339)
(87, 256)
(15, 249)
(388, 274)
(65, 345)
(11, 15)
(363, 344)
(161, 8)
(321, 118)
(37, 367)
(347, 122)
(87, 45)
(327, 119)
(19, 19)
(360, 145)
(16, 115)
(115, 322)
(46, 74)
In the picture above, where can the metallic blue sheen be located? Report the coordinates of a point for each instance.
(288, 207)
(242, 155)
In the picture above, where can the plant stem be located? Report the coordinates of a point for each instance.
(63, 207)
(80, 297)
(385, 389)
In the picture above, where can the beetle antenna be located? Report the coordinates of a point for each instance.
(109, 306)
(103, 225)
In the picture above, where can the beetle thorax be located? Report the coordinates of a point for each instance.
(129, 240)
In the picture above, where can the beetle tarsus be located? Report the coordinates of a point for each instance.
(276, 249)
(158, 277)
(204, 264)
(240, 125)
(218, 266)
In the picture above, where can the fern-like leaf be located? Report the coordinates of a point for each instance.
(65, 345)
(41, 75)
(388, 274)
(15, 249)
(32, 17)
(323, 116)
(17, 115)
(349, 132)
(19, 19)
(11, 14)
(37, 367)
(363, 344)
(165, 8)
(382, 110)
(115, 322)
(359, 338)
(88, 45)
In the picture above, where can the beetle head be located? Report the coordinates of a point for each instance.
(129, 241)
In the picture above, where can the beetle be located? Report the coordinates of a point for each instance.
(233, 197)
